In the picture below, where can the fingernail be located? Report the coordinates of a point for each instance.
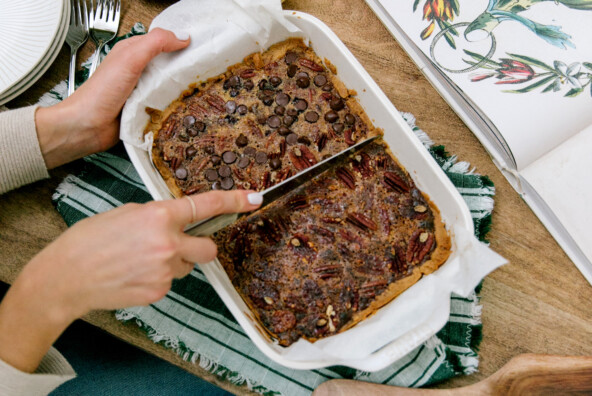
(182, 36)
(255, 198)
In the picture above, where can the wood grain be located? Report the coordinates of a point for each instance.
(526, 374)
(539, 303)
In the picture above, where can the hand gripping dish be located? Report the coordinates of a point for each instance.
(375, 171)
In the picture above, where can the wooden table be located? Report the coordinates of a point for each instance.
(538, 303)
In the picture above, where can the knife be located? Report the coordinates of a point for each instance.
(212, 224)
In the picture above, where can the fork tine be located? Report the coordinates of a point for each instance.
(78, 13)
(111, 10)
(85, 21)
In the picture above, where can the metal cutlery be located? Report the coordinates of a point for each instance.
(76, 36)
(104, 22)
(212, 224)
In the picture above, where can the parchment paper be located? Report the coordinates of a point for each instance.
(222, 33)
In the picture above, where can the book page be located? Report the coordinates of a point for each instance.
(563, 179)
(527, 64)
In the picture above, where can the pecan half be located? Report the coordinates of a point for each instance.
(347, 177)
(362, 222)
(307, 155)
(298, 202)
(419, 246)
(322, 142)
(395, 182)
(248, 73)
(216, 102)
(350, 137)
(298, 161)
(310, 65)
(328, 271)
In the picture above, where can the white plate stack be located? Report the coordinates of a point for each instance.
(32, 33)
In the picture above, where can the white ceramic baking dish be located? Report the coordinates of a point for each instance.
(407, 148)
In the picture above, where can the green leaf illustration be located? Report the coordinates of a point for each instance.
(549, 87)
(588, 65)
(574, 92)
(531, 61)
(532, 86)
(455, 6)
(480, 58)
(415, 5)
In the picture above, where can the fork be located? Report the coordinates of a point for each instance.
(104, 22)
(77, 35)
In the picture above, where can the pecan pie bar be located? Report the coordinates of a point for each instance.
(330, 254)
(257, 124)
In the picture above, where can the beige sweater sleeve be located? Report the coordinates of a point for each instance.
(21, 161)
(53, 371)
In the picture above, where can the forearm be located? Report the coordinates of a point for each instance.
(63, 135)
(31, 319)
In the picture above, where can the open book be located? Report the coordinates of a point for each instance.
(519, 74)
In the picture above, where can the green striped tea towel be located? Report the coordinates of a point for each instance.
(193, 321)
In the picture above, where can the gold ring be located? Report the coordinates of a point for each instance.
(193, 209)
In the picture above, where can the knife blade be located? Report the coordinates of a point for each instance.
(212, 224)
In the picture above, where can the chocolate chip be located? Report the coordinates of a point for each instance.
(275, 81)
(302, 74)
(274, 121)
(192, 132)
(230, 106)
(250, 151)
(190, 151)
(211, 175)
(216, 185)
(209, 149)
(188, 121)
(262, 84)
(291, 57)
(183, 137)
(320, 80)
(249, 85)
(282, 99)
(199, 126)
(275, 163)
(311, 116)
(327, 87)
(280, 110)
(331, 116)
(284, 130)
(292, 112)
(234, 92)
(289, 120)
(267, 100)
(260, 157)
(261, 119)
(303, 82)
(227, 183)
(243, 162)
(301, 104)
(224, 171)
(181, 173)
(234, 81)
(216, 160)
(292, 69)
(242, 109)
(350, 119)
(336, 104)
(338, 127)
(241, 140)
(292, 138)
(229, 157)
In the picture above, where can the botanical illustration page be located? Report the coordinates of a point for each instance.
(527, 64)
